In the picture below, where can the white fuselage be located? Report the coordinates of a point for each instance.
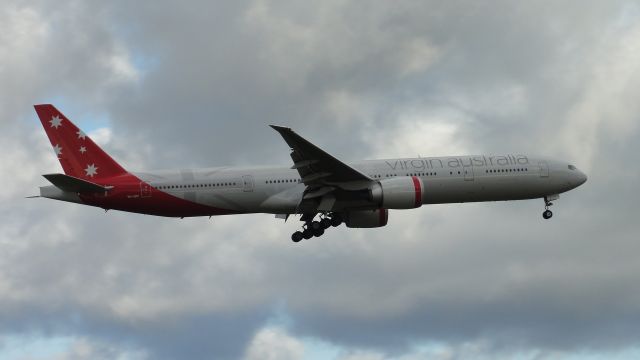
(279, 190)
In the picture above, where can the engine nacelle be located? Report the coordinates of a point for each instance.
(403, 192)
(366, 218)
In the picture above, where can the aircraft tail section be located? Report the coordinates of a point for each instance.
(79, 156)
(75, 185)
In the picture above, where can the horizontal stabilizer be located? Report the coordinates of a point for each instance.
(73, 184)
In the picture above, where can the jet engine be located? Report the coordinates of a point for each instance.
(366, 218)
(403, 192)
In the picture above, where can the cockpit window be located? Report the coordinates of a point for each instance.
(571, 167)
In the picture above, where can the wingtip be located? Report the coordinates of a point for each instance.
(279, 128)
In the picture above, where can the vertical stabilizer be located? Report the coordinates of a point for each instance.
(78, 154)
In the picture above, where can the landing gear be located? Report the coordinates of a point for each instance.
(547, 214)
(315, 225)
(326, 223)
(297, 236)
(313, 228)
(336, 220)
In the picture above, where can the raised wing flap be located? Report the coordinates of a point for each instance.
(73, 184)
(315, 165)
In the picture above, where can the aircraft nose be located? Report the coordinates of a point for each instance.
(578, 178)
(581, 178)
(575, 177)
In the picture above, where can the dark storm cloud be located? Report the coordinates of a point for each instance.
(196, 85)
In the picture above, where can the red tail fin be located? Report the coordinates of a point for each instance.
(78, 154)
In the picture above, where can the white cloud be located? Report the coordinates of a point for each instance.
(607, 108)
(101, 136)
(424, 132)
(416, 55)
(272, 343)
(362, 355)
(88, 349)
(23, 33)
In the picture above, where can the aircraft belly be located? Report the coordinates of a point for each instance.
(222, 199)
(439, 191)
(283, 202)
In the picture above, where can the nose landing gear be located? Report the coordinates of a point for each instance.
(313, 228)
(547, 214)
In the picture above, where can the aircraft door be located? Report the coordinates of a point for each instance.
(145, 189)
(247, 183)
(468, 173)
(544, 169)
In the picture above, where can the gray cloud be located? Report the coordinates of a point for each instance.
(180, 85)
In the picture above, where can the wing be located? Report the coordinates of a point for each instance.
(316, 166)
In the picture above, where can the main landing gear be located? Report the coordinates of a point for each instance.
(315, 228)
(547, 214)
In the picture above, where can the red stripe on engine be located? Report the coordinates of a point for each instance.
(383, 217)
(418, 188)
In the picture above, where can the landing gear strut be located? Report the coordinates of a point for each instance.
(315, 228)
(547, 214)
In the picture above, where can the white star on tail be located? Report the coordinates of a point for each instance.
(55, 121)
(81, 135)
(57, 149)
(83, 149)
(91, 170)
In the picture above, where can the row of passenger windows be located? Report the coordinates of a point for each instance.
(282, 181)
(423, 174)
(452, 172)
(378, 176)
(194, 186)
(492, 171)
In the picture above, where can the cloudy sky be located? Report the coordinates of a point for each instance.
(168, 84)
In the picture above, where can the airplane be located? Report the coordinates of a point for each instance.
(322, 189)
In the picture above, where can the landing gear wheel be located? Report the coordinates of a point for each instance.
(307, 233)
(326, 223)
(336, 220)
(318, 232)
(297, 236)
(547, 214)
(315, 225)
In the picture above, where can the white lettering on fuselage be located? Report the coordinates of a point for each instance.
(454, 162)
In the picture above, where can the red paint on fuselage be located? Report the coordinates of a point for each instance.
(131, 194)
